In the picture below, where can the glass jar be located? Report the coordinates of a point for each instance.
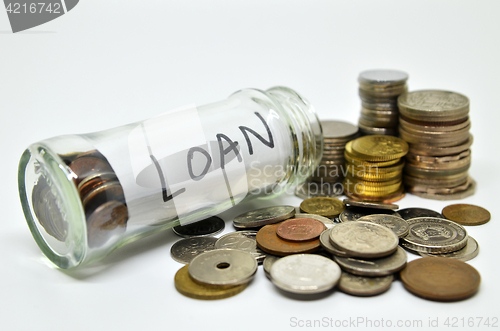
(83, 196)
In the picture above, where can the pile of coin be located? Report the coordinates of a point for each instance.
(436, 126)
(328, 176)
(379, 91)
(374, 167)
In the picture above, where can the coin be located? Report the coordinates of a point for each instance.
(268, 263)
(269, 242)
(300, 229)
(466, 214)
(83, 167)
(101, 194)
(374, 205)
(323, 206)
(423, 149)
(454, 196)
(223, 267)
(260, 217)
(409, 213)
(305, 274)
(208, 227)
(433, 105)
(440, 279)
(470, 251)
(364, 286)
(186, 286)
(383, 77)
(379, 148)
(326, 221)
(395, 223)
(185, 250)
(374, 267)
(325, 242)
(364, 239)
(242, 240)
(354, 213)
(108, 220)
(336, 130)
(93, 181)
(435, 235)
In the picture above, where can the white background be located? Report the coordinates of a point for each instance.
(108, 63)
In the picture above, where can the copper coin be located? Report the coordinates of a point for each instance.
(93, 181)
(269, 242)
(101, 194)
(440, 279)
(466, 214)
(300, 229)
(106, 221)
(88, 165)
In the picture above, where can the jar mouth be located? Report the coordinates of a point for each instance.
(52, 207)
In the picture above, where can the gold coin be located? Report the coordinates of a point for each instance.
(373, 169)
(379, 148)
(466, 214)
(396, 196)
(376, 177)
(323, 206)
(188, 287)
(374, 184)
(372, 191)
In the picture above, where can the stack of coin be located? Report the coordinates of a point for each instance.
(436, 126)
(374, 167)
(379, 91)
(328, 176)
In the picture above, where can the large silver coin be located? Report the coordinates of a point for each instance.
(374, 267)
(433, 105)
(409, 213)
(305, 273)
(207, 227)
(185, 250)
(338, 130)
(364, 239)
(434, 235)
(268, 263)
(223, 267)
(242, 240)
(394, 223)
(326, 221)
(324, 240)
(383, 77)
(467, 253)
(364, 286)
(264, 216)
(372, 205)
(354, 213)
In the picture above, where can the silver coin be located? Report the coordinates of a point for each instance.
(364, 286)
(208, 227)
(364, 239)
(433, 105)
(383, 77)
(223, 267)
(470, 251)
(372, 205)
(242, 240)
(187, 249)
(409, 213)
(334, 130)
(268, 263)
(324, 240)
(435, 235)
(453, 196)
(394, 223)
(305, 273)
(374, 267)
(354, 213)
(326, 221)
(264, 216)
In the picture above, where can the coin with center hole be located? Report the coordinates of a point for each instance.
(208, 227)
(466, 214)
(394, 223)
(223, 267)
(242, 240)
(300, 229)
(364, 286)
(374, 267)
(264, 216)
(185, 250)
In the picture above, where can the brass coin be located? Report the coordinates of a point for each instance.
(440, 279)
(93, 181)
(107, 220)
(323, 206)
(269, 242)
(466, 214)
(349, 157)
(86, 166)
(188, 287)
(379, 148)
(300, 229)
(390, 198)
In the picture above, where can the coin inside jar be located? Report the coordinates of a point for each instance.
(107, 220)
(300, 229)
(85, 166)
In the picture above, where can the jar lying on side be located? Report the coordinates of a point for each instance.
(85, 195)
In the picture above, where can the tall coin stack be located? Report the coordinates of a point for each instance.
(436, 126)
(375, 168)
(379, 91)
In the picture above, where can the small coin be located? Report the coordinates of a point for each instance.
(242, 240)
(208, 227)
(108, 220)
(374, 205)
(440, 279)
(268, 263)
(470, 251)
(300, 229)
(383, 77)
(364, 239)
(466, 214)
(93, 181)
(264, 216)
(323, 206)
(354, 213)
(223, 267)
(326, 221)
(185, 250)
(86, 166)
(101, 194)
(269, 242)
(374, 267)
(305, 274)
(327, 245)
(395, 223)
(435, 235)
(364, 286)
(186, 286)
(409, 213)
